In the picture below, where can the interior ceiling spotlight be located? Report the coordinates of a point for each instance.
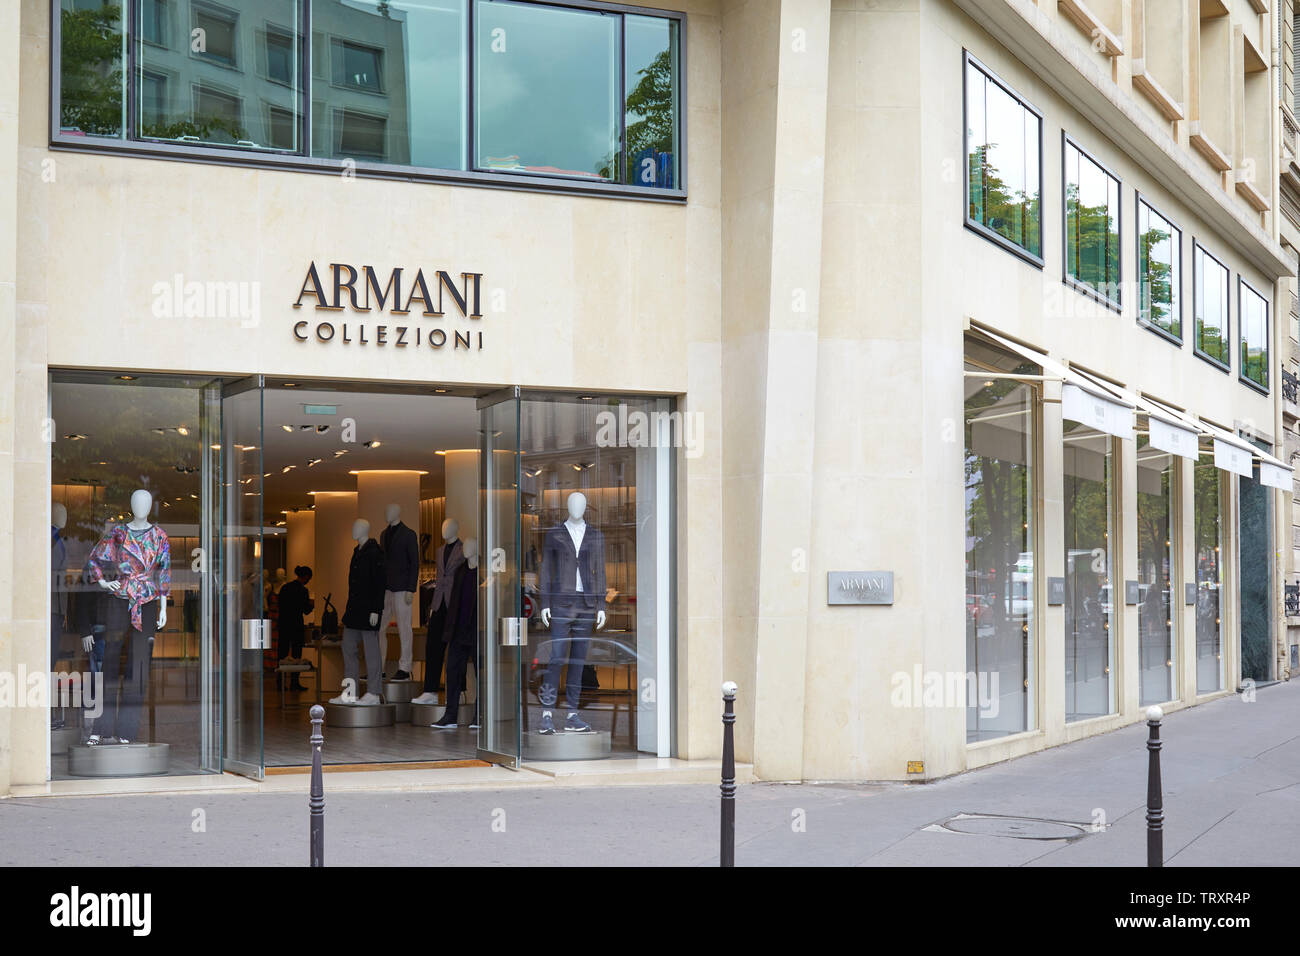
(340, 453)
(126, 378)
(313, 462)
(74, 436)
(182, 430)
(322, 429)
(305, 428)
(373, 443)
(288, 428)
(287, 468)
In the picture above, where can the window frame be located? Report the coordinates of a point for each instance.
(301, 161)
(1242, 284)
(1079, 286)
(970, 60)
(1226, 369)
(1139, 200)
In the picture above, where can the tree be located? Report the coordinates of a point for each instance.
(92, 91)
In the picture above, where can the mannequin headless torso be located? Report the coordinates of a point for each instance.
(450, 558)
(402, 569)
(361, 618)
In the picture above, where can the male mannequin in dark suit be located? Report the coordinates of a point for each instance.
(450, 558)
(461, 637)
(573, 603)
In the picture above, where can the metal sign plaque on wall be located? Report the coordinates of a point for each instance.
(860, 587)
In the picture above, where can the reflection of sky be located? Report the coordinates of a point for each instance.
(549, 96)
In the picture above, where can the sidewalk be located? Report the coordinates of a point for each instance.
(1231, 771)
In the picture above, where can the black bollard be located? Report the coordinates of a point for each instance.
(727, 857)
(1155, 801)
(317, 801)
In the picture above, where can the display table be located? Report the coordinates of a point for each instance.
(566, 746)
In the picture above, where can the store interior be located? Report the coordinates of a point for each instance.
(329, 455)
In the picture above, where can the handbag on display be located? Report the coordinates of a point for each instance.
(329, 618)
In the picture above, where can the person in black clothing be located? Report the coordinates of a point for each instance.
(293, 602)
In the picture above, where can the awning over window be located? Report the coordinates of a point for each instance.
(1082, 400)
(1166, 430)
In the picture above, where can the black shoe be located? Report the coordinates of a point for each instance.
(445, 723)
(401, 675)
(297, 685)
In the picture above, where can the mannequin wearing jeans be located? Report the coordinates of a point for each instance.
(132, 564)
(361, 618)
(573, 595)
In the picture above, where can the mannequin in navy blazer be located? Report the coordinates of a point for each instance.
(573, 601)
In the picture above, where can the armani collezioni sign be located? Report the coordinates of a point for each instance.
(398, 293)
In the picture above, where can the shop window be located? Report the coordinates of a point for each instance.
(1159, 262)
(1092, 226)
(592, 95)
(1255, 564)
(1252, 311)
(1090, 598)
(1000, 476)
(360, 135)
(132, 477)
(1004, 163)
(1210, 288)
(595, 477)
(1157, 473)
(220, 115)
(1208, 529)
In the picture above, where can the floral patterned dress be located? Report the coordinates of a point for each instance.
(142, 560)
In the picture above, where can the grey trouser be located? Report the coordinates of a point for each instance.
(352, 636)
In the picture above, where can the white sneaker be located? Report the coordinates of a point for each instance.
(428, 697)
(370, 700)
(343, 698)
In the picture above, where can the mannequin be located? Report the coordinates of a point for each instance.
(58, 578)
(132, 564)
(361, 616)
(450, 558)
(402, 564)
(573, 600)
(460, 634)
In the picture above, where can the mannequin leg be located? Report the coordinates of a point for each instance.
(351, 661)
(457, 660)
(434, 650)
(579, 642)
(106, 723)
(139, 661)
(374, 662)
(403, 615)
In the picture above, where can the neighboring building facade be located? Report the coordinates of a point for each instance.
(919, 366)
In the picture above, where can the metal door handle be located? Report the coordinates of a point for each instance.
(255, 634)
(514, 631)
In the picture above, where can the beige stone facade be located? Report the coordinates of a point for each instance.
(807, 301)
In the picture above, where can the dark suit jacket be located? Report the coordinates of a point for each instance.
(366, 580)
(401, 557)
(461, 624)
(560, 564)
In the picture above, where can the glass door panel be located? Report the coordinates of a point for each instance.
(503, 631)
(244, 630)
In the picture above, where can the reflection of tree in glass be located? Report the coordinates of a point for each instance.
(91, 66)
(1093, 244)
(1010, 213)
(1157, 296)
(652, 100)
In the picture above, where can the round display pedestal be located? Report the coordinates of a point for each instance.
(63, 738)
(118, 760)
(423, 715)
(566, 746)
(359, 715)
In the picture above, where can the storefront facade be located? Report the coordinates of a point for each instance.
(827, 332)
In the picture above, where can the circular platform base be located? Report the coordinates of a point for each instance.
(399, 691)
(423, 715)
(63, 738)
(565, 746)
(359, 715)
(118, 760)
(402, 711)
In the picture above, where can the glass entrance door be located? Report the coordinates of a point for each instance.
(503, 630)
(238, 569)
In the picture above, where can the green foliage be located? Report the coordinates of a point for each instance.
(1011, 213)
(92, 91)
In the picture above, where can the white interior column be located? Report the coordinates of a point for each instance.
(335, 512)
(462, 491)
(300, 542)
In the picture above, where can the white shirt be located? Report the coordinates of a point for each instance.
(576, 532)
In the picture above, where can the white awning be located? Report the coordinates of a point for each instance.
(1275, 475)
(1167, 431)
(1230, 456)
(1082, 399)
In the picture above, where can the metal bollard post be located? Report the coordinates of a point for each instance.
(727, 856)
(1155, 800)
(317, 801)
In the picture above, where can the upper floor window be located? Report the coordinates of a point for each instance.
(1004, 158)
(1210, 293)
(1159, 258)
(1092, 206)
(583, 91)
(1252, 312)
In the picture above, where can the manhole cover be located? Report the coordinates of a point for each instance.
(1018, 828)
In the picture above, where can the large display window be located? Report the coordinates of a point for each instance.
(1156, 480)
(1208, 529)
(1000, 496)
(1089, 593)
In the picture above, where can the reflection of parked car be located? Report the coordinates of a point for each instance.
(601, 652)
(978, 607)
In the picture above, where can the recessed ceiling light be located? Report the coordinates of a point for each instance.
(440, 391)
(73, 436)
(288, 428)
(215, 447)
(290, 384)
(182, 430)
(586, 398)
(440, 451)
(322, 429)
(126, 378)
(374, 443)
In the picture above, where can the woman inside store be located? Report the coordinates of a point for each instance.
(293, 602)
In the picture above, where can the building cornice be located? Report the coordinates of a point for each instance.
(1042, 43)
